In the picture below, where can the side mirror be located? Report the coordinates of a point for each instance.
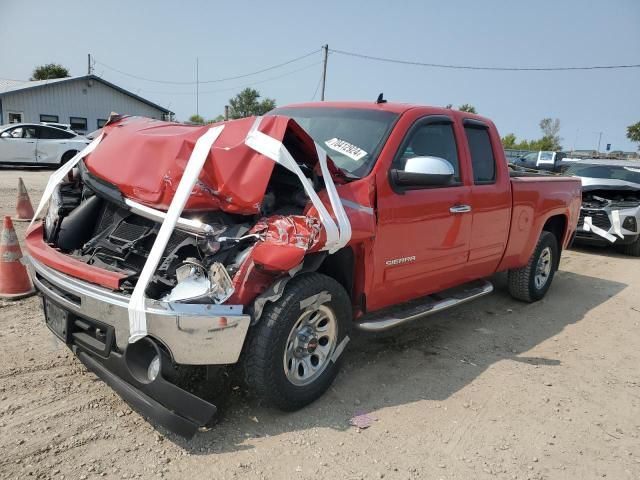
(424, 172)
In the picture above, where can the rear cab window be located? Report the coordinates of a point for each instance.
(483, 160)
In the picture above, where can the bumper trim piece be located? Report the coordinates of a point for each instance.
(194, 334)
(147, 406)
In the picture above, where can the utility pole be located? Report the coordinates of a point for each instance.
(324, 70)
(599, 140)
(226, 113)
(197, 87)
(89, 67)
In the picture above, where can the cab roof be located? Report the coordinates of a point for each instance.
(394, 107)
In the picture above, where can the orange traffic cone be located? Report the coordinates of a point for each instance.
(24, 209)
(14, 280)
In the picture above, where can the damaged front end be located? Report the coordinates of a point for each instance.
(248, 218)
(609, 215)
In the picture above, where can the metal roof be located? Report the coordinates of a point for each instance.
(11, 86)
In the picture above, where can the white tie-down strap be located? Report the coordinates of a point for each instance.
(590, 227)
(137, 316)
(617, 227)
(276, 151)
(336, 202)
(57, 176)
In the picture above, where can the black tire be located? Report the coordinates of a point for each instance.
(631, 249)
(522, 281)
(264, 356)
(67, 156)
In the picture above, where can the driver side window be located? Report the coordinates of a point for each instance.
(431, 140)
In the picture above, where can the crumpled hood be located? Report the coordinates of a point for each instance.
(146, 158)
(590, 183)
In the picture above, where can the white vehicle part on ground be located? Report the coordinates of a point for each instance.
(276, 151)
(590, 227)
(137, 316)
(57, 176)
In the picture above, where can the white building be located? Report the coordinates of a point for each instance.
(84, 102)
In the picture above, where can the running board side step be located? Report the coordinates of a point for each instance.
(415, 309)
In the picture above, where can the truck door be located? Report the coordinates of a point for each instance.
(422, 242)
(490, 199)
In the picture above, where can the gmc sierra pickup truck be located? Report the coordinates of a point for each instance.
(264, 241)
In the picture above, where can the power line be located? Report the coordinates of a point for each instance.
(471, 67)
(226, 89)
(171, 82)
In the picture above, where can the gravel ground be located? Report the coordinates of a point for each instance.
(492, 389)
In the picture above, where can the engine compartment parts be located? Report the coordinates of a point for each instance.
(195, 285)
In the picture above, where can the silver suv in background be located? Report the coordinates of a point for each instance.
(610, 213)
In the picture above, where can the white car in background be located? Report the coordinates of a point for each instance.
(38, 144)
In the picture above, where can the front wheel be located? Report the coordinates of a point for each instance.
(292, 354)
(531, 282)
(631, 249)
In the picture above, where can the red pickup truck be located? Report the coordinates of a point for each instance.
(264, 241)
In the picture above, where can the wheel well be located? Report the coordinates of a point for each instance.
(339, 266)
(558, 226)
(69, 153)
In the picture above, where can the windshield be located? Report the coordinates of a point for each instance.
(353, 138)
(613, 172)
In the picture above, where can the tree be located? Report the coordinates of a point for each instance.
(247, 103)
(509, 141)
(196, 119)
(633, 133)
(550, 139)
(467, 107)
(219, 118)
(49, 71)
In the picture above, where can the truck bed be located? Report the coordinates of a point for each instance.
(536, 198)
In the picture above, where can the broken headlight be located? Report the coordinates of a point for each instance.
(52, 218)
(630, 224)
(196, 285)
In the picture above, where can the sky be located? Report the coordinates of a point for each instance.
(161, 40)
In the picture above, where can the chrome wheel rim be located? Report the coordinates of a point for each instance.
(543, 268)
(310, 345)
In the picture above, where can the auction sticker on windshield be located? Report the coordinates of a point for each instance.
(346, 148)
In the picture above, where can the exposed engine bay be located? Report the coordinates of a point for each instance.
(611, 198)
(88, 220)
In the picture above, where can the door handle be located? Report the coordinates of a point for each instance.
(460, 209)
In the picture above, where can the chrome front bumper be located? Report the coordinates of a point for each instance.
(194, 334)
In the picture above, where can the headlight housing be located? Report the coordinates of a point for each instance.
(52, 218)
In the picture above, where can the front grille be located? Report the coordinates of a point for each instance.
(599, 218)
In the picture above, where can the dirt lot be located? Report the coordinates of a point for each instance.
(493, 389)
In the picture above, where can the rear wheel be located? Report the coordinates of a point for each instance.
(67, 156)
(531, 282)
(292, 354)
